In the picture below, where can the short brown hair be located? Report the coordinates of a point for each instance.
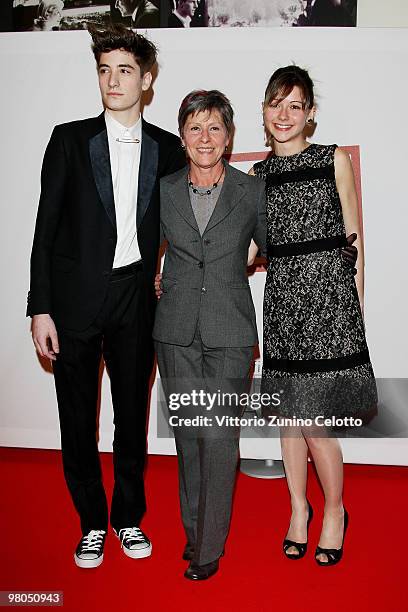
(117, 36)
(284, 80)
(201, 100)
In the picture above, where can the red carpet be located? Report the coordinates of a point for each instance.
(40, 531)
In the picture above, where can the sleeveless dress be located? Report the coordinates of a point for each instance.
(313, 331)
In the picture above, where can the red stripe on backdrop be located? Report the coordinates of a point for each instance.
(354, 153)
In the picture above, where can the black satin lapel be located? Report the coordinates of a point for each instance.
(149, 161)
(230, 195)
(100, 160)
(181, 200)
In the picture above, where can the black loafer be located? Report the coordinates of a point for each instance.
(201, 572)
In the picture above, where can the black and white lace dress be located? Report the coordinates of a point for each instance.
(313, 329)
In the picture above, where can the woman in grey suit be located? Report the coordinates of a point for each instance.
(205, 327)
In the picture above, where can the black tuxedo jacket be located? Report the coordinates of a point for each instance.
(75, 235)
(174, 21)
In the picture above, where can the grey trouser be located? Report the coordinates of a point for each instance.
(207, 462)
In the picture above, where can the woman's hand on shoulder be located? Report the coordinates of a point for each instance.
(252, 253)
(251, 171)
(157, 286)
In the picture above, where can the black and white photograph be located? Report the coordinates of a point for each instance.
(286, 13)
(184, 13)
(54, 15)
(137, 14)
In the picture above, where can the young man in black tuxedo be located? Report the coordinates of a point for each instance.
(93, 263)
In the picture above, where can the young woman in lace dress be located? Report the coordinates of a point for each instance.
(313, 305)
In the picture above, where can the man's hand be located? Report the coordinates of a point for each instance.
(157, 285)
(350, 253)
(45, 336)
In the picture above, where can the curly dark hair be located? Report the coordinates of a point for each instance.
(118, 36)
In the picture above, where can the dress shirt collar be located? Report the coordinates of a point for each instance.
(117, 130)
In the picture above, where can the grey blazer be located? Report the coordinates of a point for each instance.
(204, 278)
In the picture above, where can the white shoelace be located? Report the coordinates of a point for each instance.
(131, 533)
(92, 542)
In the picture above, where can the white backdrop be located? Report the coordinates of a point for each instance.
(376, 13)
(50, 78)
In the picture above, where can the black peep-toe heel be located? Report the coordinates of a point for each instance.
(333, 555)
(300, 546)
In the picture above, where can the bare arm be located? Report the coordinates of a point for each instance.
(349, 204)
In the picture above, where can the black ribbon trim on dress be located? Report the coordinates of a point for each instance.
(304, 174)
(307, 246)
(303, 366)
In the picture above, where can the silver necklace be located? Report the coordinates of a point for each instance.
(208, 191)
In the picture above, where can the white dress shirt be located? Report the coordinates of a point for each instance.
(125, 161)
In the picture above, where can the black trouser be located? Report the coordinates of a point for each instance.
(122, 335)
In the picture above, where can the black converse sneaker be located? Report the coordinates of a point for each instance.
(134, 542)
(89, 552)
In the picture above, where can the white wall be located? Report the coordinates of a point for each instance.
(382, 13)
(50, 78)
